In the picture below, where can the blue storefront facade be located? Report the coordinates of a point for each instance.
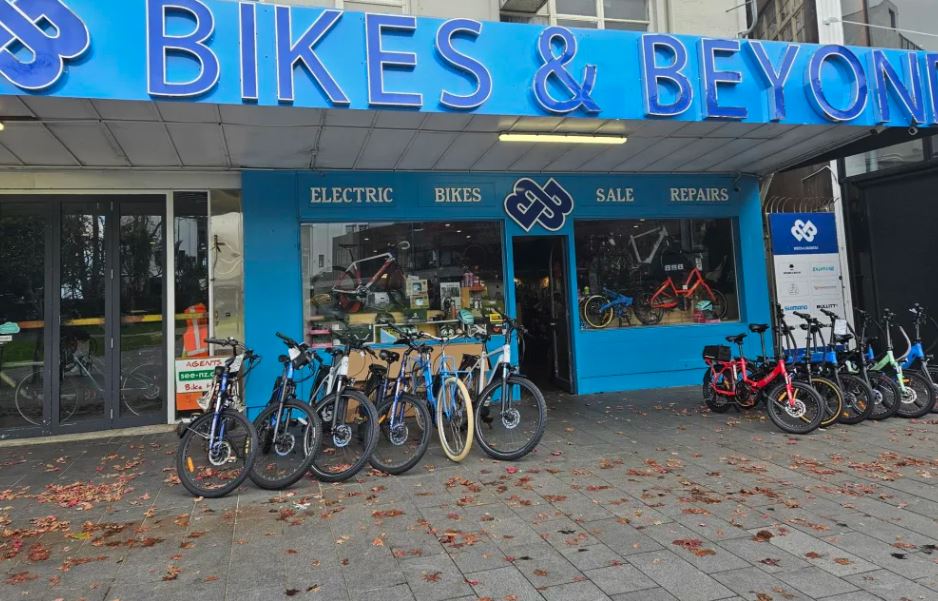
(604, 85)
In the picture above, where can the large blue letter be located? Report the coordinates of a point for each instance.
(776, 79)
(289, 54)
(247, 18)
(816, 85)
(931, 67)
(444, 45)
(378, 58)
(713, 77)
(653, 75)
(885, 77)
(191, 45)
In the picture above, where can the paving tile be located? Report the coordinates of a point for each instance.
(649, 594)
(592, 557)
(889, 586)
(750, 583)
(502, 582)
(764, 556)
(680, 578)
(543, 565)
(708, 557)
(622, 578)
(818, 552)
(434, 578)
(574, 591)
(815, 582)
(911, 563)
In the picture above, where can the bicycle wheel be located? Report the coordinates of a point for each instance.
(933, 373)
(215, 472)
(886, 396)
(918, 398)
(858, 399)
(403, 437)
(833, 399)
(593, 312)
(717, 403)
(651, 313)
(511, 431)
(141, 391)
(28, 398)
(455, 419)
(800, 416)
(718, 301)
(283, 459)
(344, 280)
(347, 444)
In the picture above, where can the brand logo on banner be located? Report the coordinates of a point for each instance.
(530, 204)
(804, 231)
(47, 33)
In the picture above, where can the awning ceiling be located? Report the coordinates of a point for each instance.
(44, 132)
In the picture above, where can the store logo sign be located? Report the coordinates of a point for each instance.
(36, 38)
(804, 231)
(530, 204)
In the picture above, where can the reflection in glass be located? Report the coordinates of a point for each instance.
(22, 287)
(896, 155)
(142, 360)
(226, 246)
(650, 272)
(577, 7)
(81, 370)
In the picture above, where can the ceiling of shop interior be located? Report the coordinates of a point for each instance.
(74, 133)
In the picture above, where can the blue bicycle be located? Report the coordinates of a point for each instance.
(916, 360)
(600, 309)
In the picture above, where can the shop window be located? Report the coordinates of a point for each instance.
(411, 273)
(655, 272)
(227, 256)
(906, 153)
(190, 229)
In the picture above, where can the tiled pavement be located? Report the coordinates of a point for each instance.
(631, 497)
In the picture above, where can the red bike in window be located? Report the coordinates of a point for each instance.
(353, 289)
(695, 291)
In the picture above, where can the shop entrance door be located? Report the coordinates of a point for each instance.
(542, 303)
(90, 353)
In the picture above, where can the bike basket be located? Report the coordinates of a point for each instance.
(717, 352)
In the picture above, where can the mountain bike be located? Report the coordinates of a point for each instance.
(916, 358)
(289, 431)
(794, 406)
(218, 449)
(445, 394)
(857, 392)
(349, 420)
(668, 296)
(351, 290)
(600, 309)
(511, 414)
(857, 361)
(810, 368)
(917, 394)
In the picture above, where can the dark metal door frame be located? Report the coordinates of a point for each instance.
(566, 380)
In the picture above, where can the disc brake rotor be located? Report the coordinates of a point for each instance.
(342, 436)
(286, 442)
(797, 410)
(511, 419)
(221, 454)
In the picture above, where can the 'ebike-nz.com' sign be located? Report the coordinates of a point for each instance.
(807, 264)
(249, 53)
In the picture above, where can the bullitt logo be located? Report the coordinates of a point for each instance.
(804, 231)
(36, 38)
(529, 204)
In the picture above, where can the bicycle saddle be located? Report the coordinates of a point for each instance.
(335, 352)
(842, 338)
(737, 339)
(758, 328)
(389, 356)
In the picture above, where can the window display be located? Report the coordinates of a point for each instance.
(364, 275)
(651, 272)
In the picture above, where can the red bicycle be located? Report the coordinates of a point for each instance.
(794, 406)
(695, 288)
(352, 290)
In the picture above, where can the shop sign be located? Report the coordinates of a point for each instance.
(614, 195)
(531, 204)
(351, 195)
(271, 55)
(196, 375)
(699, 194)
(807, 264)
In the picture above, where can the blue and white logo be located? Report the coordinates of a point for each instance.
(804, 231)
(36, 38)
(530, 204)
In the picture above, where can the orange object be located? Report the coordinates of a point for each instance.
(193, 339)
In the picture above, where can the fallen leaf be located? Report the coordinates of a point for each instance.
(432, 576)
(842, 561)
(813, 555)
(763, 536)
(172, 573)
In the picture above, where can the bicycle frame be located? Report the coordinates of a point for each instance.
(687, 290)
(889, 358)
(618, 302)
(662, 236)
(352, 269)
(737, 368)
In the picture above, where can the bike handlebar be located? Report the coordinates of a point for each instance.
(223, 341)
(287, 340)
(803, 316)
(830, 313)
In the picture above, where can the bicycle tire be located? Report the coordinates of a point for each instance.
(711, 397)
(483, 407)
(807, 396)
(719, 303)
(423, 415)
(147, 379)
(453, 385)
(933, 376)
(920, 392)
(596, 317)
(184, 467)
(369, 436)
(833, 399)
(858, 399)
(311, 441)
(28, 390)
(886, 396)
(647, 314)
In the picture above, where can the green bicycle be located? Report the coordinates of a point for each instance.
(917, 394)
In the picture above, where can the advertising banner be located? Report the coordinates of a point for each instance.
(807, 266)
(193, 377)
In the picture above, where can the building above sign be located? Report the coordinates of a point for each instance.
(247, 53)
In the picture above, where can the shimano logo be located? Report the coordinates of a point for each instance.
(796, 308)
(36, 38)
(822, 268)
(804, 231)
(529, 204)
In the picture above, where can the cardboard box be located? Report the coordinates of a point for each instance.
(416, 286)
(420, 301)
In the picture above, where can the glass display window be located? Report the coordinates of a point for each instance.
(363, 275)
(635, 272)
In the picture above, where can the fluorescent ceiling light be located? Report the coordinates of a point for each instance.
(562, 138)
(2, 126)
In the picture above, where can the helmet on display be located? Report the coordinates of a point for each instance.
(466, 318)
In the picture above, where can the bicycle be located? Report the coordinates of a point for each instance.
(805, 370)
(600, 309)
(222, 436)
(916, 357)
(351, 291)
(503, 396)
(793, 406)
(857, 392)
(446, 396)
(917, 394)
(886, 392)
(668, 296)
(289, 431)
